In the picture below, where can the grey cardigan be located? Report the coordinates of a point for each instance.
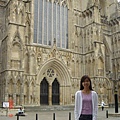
(78, 105)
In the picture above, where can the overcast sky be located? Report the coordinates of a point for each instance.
(118, 0)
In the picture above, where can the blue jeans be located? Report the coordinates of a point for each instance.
(85, 117)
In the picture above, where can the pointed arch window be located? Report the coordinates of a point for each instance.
(50, 21)
(55, 92)
(44, 90)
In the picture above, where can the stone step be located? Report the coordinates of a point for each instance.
(47, 108)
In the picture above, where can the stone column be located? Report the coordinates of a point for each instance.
(14, 94)
(50, 95)
(61, 95)
(29, 98)
(5, 91)
(22, 94)
(37, 94)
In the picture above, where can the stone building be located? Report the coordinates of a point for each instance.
(47, 45)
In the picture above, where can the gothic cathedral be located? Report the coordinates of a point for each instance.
(46, 46)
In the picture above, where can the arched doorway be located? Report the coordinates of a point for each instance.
(55, 92)
(57, 81)
(44, 90)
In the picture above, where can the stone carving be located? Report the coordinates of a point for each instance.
(16, 9)
(39, 59)
(17, 37)
(50, 72)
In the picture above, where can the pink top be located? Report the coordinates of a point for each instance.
(87, 104)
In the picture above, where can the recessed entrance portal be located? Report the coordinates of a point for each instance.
(44, 90)
(54, 75)
(55, 92)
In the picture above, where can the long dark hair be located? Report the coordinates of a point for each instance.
(83, 79)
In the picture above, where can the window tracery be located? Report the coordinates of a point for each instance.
(50, 72)
(51, 15)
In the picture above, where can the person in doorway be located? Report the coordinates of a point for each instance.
(86, 101)
(102, 105)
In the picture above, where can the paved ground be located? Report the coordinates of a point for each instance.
(59, 115)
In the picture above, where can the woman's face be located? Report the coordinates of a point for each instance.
(86, 83)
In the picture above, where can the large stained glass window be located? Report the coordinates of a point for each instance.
(50, 22)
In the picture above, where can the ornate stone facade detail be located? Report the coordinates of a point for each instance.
(44, 70)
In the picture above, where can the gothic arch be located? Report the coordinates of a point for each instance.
(55, 92)
(62, 76)
(17, 38)
(16, 51)
(44, 92)
(59, 67)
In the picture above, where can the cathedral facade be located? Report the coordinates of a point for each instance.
(47, 45)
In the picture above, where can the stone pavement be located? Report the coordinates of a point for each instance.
(59, 115)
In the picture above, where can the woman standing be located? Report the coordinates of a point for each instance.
(86, 101)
